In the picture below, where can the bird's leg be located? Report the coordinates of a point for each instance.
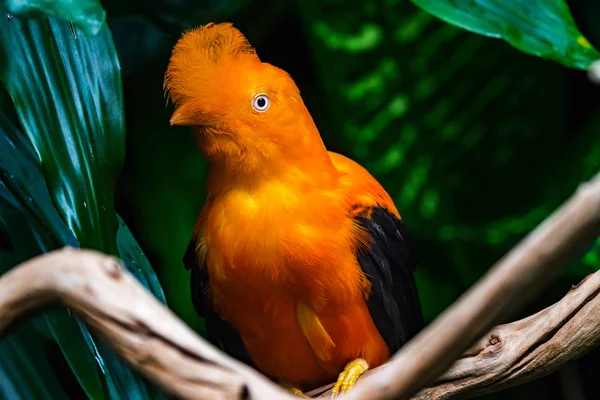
(293, 389)
(347, 379)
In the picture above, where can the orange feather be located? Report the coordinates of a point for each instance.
(277, 233)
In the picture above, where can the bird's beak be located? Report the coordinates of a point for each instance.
(184, 115)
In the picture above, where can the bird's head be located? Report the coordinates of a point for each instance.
(238, 106)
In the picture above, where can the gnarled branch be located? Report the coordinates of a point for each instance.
(528, 349)
(164, 349)
(133, 322)
(505, 289)
(523, 350)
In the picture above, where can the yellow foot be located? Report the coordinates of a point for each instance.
(347, 379)
(294, 390)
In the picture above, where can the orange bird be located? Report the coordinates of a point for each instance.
(299, 261)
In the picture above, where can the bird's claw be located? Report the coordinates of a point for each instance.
(348, 377)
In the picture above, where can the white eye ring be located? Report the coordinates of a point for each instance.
(261, 102)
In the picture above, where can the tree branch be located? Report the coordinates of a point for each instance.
(164, 349)
(134, 323)
(505, 289)
(519, 352)
(523, 350)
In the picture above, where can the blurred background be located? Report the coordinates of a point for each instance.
(476, 141)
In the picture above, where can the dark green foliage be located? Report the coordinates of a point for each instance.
(449, 129)
(30, 225)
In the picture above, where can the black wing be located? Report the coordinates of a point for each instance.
(389, 264)
(220, 333)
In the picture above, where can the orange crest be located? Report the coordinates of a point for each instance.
(206, 67)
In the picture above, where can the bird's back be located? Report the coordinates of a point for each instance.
(360, 186)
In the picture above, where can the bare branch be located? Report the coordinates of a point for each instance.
(132, 322)
(523, 350)
(528, 349)
(511, 283)
(164, 349)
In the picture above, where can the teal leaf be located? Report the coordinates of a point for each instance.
(136, 262)
(23, 179)
(24, 372)
(88, 15)
(30, 225)
(544, 28)
(73, 86)
(68, 98)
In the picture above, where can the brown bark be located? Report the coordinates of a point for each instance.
(505, 289)
(528, 349)
(524, 350)
(164, 349)
(133, 322)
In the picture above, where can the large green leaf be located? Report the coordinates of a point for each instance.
(28, 222)
(88, 15)
(30, 226)
(62, 84)
(67, 94)
(25, 188)
(543, 28)
(24, 372)
(134, 258)
(35, 227)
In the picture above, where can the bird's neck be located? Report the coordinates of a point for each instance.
(303, 176)
(303, 163)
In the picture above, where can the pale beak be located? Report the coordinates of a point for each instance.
(184, 115)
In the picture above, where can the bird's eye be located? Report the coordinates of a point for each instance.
(261, 102)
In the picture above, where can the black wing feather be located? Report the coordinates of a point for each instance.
(389, 264)
(220, 333)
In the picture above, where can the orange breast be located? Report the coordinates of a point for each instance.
(265, 314)
(288, 281)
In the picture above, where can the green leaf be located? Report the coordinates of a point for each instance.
(62, 84)
(134, 258)
(24, 371)
(30, 225)
(67, 95)
(88, 15)
(544, 28)
(24, 182)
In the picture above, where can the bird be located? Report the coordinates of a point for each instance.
(300, 263)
